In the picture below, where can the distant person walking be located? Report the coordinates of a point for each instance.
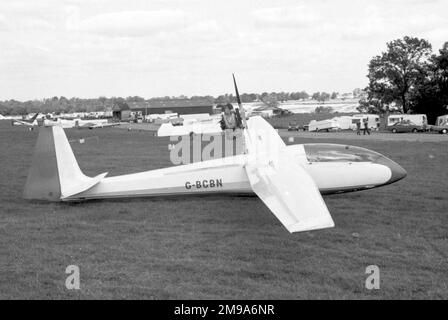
(366, 128)
(358, 128)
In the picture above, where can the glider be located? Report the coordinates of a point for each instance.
(80, 124)
(288, 179)
(209, 125)
(32, 122)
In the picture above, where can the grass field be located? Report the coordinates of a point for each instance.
(221, 247)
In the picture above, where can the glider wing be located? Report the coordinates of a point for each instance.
(281, 183)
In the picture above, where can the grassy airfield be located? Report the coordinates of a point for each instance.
(221, 247)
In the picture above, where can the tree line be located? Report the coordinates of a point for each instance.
(69, 105)
(408, 78)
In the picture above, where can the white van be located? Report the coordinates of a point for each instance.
(373, 121)
(442, 120)
(417, 119)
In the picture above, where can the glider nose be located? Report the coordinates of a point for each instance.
(397, 171)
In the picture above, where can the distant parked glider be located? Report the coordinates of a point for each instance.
(80, 123)
(32, 122)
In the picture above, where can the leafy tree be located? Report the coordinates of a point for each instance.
(373, 106)
(431, 95)
(270, 100)
(209, 98)
(282, 96)
(357, 93)
(394, 74)
(5, 109)
(324, 97)
(304, 95)
(316, 96)
(322, 109)
(248, 97)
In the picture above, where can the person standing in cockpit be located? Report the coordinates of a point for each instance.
(230, 119)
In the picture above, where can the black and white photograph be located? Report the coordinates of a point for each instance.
(223, 155)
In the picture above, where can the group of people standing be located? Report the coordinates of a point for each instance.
(365, 127)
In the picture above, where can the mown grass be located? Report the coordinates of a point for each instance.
(220, 247)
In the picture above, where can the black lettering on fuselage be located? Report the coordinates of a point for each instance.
(204, 184)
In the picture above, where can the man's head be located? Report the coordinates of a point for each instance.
(228, 108)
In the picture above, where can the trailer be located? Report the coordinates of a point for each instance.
(344, 122)
(373, 121)
(323, 125)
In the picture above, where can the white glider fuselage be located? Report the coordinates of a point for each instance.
(228, 175)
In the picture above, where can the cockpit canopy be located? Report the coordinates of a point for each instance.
(339, 153)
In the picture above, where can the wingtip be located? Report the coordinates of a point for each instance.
(301, 227)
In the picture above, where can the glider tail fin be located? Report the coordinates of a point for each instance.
(55, 174)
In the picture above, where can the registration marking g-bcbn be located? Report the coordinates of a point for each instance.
(204, 184)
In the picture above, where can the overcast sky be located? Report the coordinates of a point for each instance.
(91, 48)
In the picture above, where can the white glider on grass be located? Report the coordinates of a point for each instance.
(288, 179)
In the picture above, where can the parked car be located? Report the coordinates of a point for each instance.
(441, 125)
(293, 126)
(440, 129)
(406, 126)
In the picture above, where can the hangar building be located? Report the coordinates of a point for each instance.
(180, 106)
(121, 111)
